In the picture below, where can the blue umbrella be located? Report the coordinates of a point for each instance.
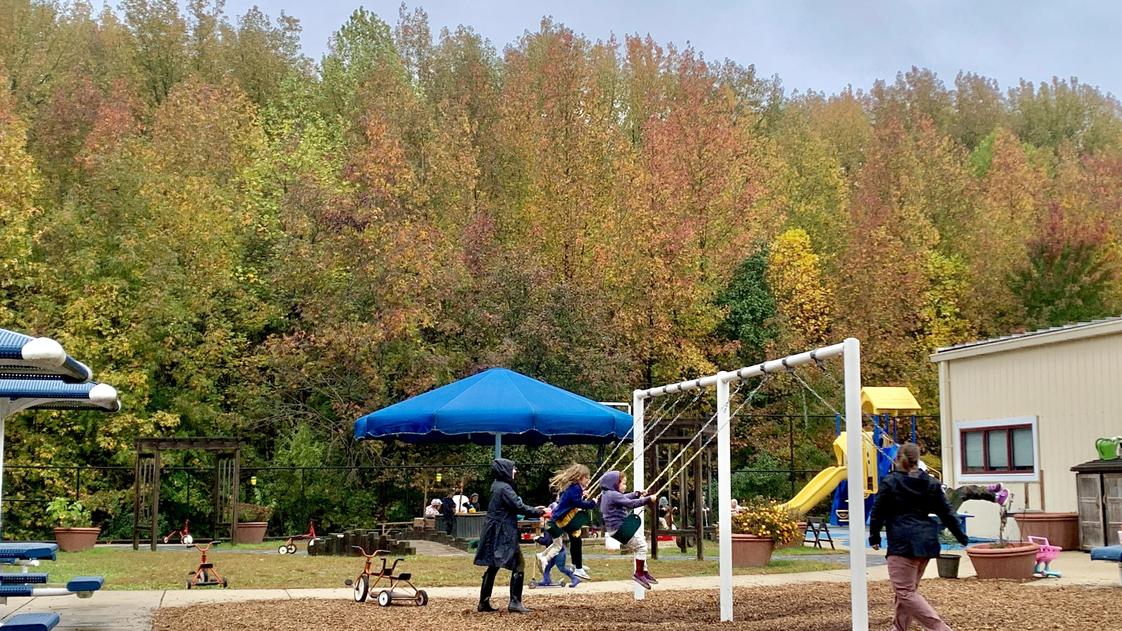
(25, 355)
(493, 406)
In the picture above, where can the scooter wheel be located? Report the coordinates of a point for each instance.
(292, 548)
(422, 598)
(384, 598)
(362, 588)
(283, 549)
(532, 584)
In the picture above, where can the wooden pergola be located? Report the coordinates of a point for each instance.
(146, 485)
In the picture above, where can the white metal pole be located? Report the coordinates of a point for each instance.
(724, 493)
(498, 446)
(638, 477)
(854, 439)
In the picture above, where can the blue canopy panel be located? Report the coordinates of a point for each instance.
(496, 401)
(25, 355)
(54, 393)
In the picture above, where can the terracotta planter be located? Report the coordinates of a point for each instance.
(1016, 560)
(251, 532)
(751, 551)
(76, 539)
(1061, 529)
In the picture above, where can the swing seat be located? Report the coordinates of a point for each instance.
(627, 529)
(570, 523)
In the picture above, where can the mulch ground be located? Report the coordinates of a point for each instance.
(966, 605)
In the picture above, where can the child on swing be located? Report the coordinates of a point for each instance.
(616, 505)
(569, 484)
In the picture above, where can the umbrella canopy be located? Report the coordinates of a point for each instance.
(54, 393)
(25, 355)
(496, 402)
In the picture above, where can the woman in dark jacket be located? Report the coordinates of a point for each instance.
(498, 544)
(907, 498)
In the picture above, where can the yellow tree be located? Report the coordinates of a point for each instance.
(804, 300)
(19, 183)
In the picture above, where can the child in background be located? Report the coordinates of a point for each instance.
(615, 506)
(557, 558)
(570, 484)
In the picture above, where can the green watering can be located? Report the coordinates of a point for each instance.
(1108, 447)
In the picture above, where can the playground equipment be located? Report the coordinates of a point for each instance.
(363, 588)
(289, 547)
(205, 575)
(850, 352)
(1044, 557)
(183, 533)
(878, 452)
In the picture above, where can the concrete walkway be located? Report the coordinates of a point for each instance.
(133, 610)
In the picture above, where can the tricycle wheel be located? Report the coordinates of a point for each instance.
(283, 549)
(224, 582)
(362, 588)
(292, 548)
(422, 598)
(384, 598)
(189, 584)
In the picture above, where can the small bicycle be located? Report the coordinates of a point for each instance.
(289, 546)
(205, 575)
(363, 588)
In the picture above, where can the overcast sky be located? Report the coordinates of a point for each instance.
(822, 45)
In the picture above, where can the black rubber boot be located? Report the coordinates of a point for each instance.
(516, 606)
(485, 591)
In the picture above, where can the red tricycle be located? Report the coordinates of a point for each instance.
(205, 575)
(289, 547)
(363, 588)
(184, 534)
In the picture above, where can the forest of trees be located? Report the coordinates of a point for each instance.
(248, 242)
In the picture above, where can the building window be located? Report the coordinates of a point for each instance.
(1006, 449)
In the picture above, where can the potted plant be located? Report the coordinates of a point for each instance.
(1004, 559)
(253, 520)
(756, 531)
(73, 532)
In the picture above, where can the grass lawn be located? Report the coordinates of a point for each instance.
(245, 567)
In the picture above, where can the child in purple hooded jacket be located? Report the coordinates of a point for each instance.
(615, 506)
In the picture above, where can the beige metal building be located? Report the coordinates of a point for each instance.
(1024, 409)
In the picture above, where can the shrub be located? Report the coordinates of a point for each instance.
(253, 512)
(766, 519)
(68, 514)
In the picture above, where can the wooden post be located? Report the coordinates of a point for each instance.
(235, 493)
(136, 503)
(698, 525)
(155, 501)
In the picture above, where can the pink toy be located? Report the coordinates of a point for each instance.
(1044, 557)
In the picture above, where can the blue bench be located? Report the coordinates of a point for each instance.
(24, 551)
(31, 622)
(80, 584)
(26, 577)
(1109, 553)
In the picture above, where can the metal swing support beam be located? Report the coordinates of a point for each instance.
(850, 351)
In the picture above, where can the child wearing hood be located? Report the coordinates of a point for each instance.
(570, 484)
(615, 506)
(498, 543)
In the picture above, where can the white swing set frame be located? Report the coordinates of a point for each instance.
(850, 351)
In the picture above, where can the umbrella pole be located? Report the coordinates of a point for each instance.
(498, 446)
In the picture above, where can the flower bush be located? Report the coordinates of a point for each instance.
(767, 519)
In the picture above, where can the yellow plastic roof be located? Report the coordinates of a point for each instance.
(875, 400)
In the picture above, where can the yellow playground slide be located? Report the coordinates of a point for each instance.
(828, 479)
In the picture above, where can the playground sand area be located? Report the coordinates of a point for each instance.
(967, 605)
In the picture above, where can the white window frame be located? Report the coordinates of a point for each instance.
(1028, 476)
